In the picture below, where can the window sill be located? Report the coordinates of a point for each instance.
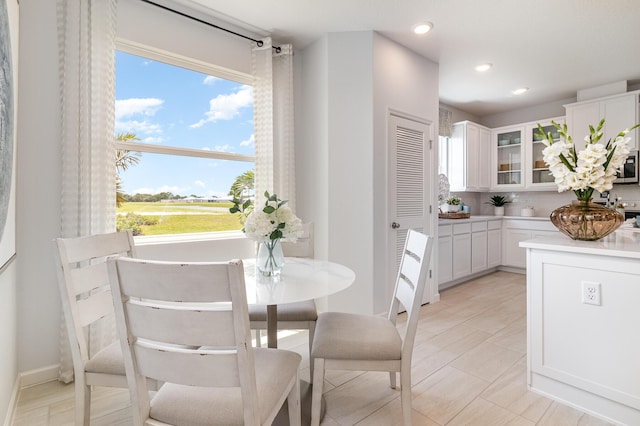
(187, 238)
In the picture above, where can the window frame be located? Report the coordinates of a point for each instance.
(205, 68)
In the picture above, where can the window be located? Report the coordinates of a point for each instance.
(184, 136)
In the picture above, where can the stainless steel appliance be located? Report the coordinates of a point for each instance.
(631, 209)
(629, 172)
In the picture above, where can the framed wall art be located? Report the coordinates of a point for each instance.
(8, 60)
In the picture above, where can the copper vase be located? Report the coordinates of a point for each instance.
(585, 220)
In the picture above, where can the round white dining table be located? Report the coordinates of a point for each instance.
(300, 279)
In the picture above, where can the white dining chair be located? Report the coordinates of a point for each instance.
(345, 341)
(86, 298)
(291, 316)
(187, 325)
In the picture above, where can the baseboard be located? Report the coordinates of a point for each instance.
(39, 376)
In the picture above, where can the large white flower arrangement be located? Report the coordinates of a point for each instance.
(592, 168)
(273, 222)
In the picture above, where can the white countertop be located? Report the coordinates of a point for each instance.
(622, 243)
(484, 218)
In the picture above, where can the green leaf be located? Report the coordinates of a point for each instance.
(274, 197)
(281, 225)
(282, 203)
(234, 209)
(269, 209)
(246, 204)
(266, 194)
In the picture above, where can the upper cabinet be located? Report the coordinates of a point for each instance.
(508, 157)
(469, 157)
(537, 174)
(619, 112)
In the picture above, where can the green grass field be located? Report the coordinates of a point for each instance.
(183, 218)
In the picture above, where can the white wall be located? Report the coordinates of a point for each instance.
(344, 134)
(408, 83)
(38, 187)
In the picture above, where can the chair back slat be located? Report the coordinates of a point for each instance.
(303, 246)
(169, 281)
(405, 294)
(94, 307)
(188, 367)
(90, 277)
(179, 325)
(97, 246)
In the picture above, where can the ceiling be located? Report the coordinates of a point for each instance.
(553, 47)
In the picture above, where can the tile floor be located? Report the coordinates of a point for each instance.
(469, 367)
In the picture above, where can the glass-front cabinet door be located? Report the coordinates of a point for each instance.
(508, 158)
(538, 174)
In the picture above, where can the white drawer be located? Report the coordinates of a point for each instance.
(444, 230)
(494, 224)
(461, 228)
(478, 226)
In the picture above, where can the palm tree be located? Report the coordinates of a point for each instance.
(243, 185)
(124, 159)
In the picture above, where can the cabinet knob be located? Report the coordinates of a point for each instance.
(395, 225)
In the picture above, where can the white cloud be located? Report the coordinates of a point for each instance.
(134, 106)
(226, 107)
(199, 184)
(153, 140)
(249, 142)
(137, 127)
(210, 80)
(222, 148)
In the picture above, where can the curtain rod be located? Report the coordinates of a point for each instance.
(260, 43)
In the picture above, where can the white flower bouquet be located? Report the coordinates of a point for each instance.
(273, 222)
(594, 167)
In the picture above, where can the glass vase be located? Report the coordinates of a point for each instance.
(585, 220)
(270, 259)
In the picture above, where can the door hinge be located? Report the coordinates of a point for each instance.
(430, 273)
(430, 143)
(430, 209)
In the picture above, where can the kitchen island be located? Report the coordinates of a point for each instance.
(583, 319)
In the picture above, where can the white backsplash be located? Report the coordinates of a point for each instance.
(542, 202)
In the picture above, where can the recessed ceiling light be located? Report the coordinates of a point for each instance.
(422, 28)
(484, 67)
(520, 91)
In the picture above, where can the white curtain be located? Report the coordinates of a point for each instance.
(273, 116)
(86, 49)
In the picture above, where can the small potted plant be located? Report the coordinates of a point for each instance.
(498, 202)
(451, 204)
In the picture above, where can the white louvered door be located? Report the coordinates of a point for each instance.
(409, 186)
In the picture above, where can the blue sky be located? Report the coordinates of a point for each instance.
(172, 106)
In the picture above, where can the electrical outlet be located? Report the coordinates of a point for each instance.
(591, 293)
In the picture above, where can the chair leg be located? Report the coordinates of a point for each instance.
(83, 403)
(405, 394)
(316, 396)
(392, 379)
(312, 331)
(293, 404)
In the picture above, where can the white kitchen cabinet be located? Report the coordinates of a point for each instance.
(461, 250)
(468, 248)
(536, 172)
(469, 155)
(584, 352)
(494, 243)
(445, 253)
(517, 230)
(619, 112)
(508, 158)
(478, 246)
